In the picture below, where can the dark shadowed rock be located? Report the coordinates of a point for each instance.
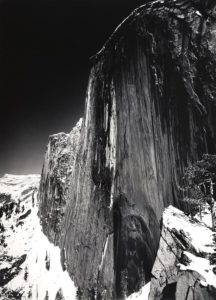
(7, 274)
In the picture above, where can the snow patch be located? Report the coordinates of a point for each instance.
(202, 266)
(142, 294)
(177, 220)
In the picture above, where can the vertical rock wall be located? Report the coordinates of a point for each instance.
(56, 173)
(150, 108)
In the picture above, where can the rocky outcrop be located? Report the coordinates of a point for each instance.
(150, 108)
(56, 175)
(183, 268)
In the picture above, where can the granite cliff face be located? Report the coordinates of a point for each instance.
(150, 108)
(55, 178)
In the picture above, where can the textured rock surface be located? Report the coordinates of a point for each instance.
(150, 111)
(56, 173)
(183, 268)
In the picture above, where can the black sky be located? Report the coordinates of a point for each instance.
(45, 47)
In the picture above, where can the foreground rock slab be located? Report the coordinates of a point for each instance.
(184, 267)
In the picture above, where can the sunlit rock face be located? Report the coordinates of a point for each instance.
(150, 111)
(56, 173)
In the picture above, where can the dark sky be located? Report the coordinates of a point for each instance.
(45, 47)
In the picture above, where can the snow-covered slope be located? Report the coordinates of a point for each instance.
(200, 240)
(30, 266)
(185, 266)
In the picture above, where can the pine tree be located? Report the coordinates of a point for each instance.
(26, 273)
(30, 294)
(79, 294)
(199, 186)
(47, 261)
(59, 295)
(46, 296)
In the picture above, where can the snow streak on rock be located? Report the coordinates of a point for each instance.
(111, 148)
(30, 266)
(104, 253)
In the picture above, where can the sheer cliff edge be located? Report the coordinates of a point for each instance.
(150, 112)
